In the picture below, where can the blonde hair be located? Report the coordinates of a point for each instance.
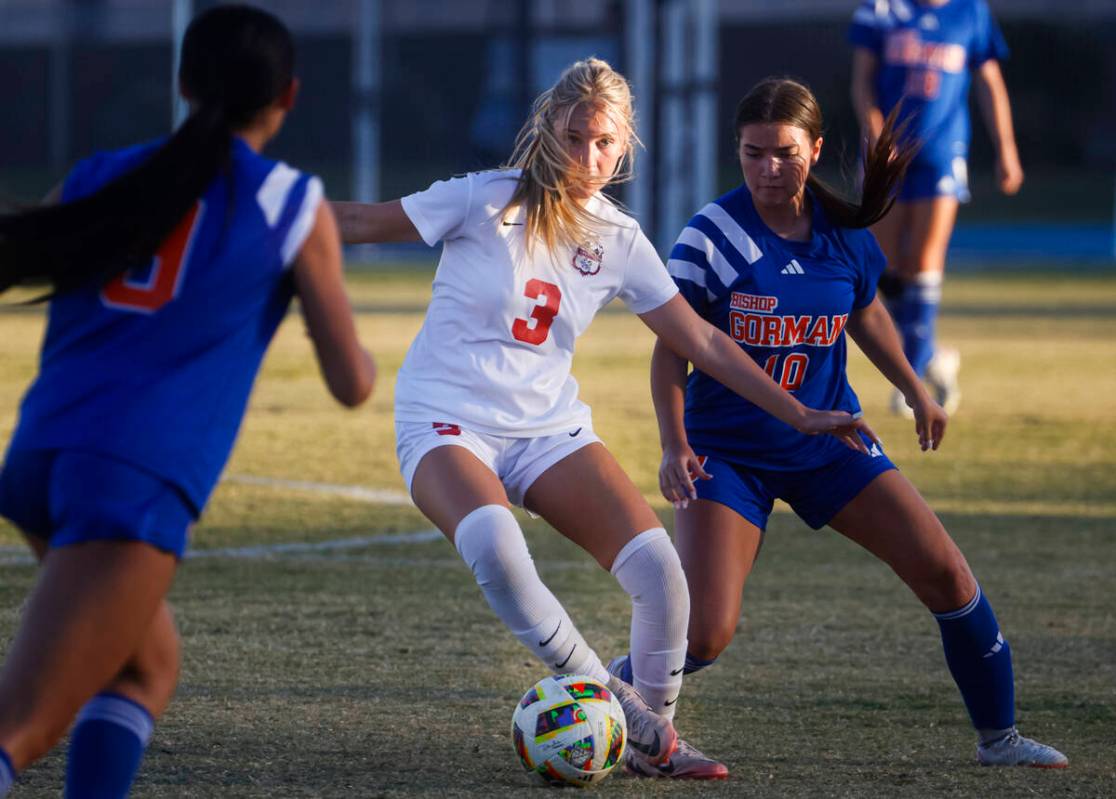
(552, 216)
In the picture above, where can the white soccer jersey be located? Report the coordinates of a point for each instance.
(495, 350)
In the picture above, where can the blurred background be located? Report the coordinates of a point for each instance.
(398, 93)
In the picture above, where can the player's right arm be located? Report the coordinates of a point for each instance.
(374, 223)
(668, 392)
(347, 368)
(863, 90)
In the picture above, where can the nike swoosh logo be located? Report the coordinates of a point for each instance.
(676, 672)
(575, 432)
(509, 224)
(551, 638)
(651, 750)
(671, 702)
(562, 665)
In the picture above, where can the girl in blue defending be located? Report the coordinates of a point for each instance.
(172, 264)
(785, 266)
(917, 56)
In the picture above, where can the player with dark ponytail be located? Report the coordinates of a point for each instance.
(786, 266)
(170, 266)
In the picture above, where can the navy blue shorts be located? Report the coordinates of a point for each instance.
(67, 497)
(816, 495)
(928, 179)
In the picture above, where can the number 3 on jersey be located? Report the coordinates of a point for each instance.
(542, 314)
(130, 292)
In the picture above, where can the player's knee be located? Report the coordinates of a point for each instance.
(709, 644)
(708, 638)
(945, 585)
(151, 677)
(491, 542)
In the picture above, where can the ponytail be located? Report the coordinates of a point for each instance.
(121, 225)
(885, 166)
(236, 61)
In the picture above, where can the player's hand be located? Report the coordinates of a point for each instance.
(1009, 173)
(930, 422)
(677, 472)
(844, 426)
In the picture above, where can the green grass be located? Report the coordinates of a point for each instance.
(380, 671)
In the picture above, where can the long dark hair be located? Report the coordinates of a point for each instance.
(236, 61)
(784, 101)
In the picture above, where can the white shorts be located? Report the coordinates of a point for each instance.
(518, 462)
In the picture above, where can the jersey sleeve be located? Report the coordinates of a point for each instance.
(867, 27)
(872, 263)
(646, 283)
(988, 41)
(303, 214)
(439, 212)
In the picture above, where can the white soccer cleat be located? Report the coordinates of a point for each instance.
(942, 373)
(687, 763)
(650, 735)
(1015, 750)
(899, 406)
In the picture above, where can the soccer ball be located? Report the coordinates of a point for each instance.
(569, 730)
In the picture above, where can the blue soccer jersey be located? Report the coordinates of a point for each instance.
(155, 367)
(786, 303)
(926, 54)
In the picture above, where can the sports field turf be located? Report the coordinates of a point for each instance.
(375, 669)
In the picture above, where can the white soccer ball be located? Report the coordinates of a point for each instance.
(569, 730)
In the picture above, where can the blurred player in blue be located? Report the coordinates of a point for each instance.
(785, 266)
(918, 56)
(172, 264)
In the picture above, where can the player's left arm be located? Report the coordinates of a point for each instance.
(874, 332)
(995, 107)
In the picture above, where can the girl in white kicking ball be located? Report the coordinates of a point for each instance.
(487, 413)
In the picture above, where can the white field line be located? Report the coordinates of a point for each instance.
(375, 496)
(17, 555)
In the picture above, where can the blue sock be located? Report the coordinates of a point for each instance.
(980, 661)
(106, 747)
(915, 312)
(694, 663)
(7, 773)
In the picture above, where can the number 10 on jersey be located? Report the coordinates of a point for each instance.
(535, 329)
(793, 369)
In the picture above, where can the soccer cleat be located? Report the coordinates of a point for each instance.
(941, 374)
(650, 735)
(1015, 750)
(687, 763)
(899, 406)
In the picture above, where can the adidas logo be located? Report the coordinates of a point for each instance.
(996, 647)
(793, 268)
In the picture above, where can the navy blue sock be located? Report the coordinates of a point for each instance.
(7, 773)
(626, 669)
(980, 661)
(106, 747)
(694, 663)
(916, 312)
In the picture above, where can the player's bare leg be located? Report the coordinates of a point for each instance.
(92, 606)
(450, 483)
(589, 499)
(891, 520)
(718, 548)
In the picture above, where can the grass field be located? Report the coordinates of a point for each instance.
(375, 669)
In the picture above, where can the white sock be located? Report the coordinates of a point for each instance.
(648, 568)
(490, 541)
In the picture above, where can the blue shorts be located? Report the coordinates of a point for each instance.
(927, 179)
(816, 495)
(67, 497)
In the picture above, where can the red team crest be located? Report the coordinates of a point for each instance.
(589, 258)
